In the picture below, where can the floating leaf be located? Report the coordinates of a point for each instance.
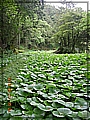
(39, 87)
(34, 76)
(41, 76)
(33, 103)
(84, 114)
(29, 100)
(80, 103)
(44, 108)
(69, 104)
(50, 85)
(57, 114)
(38, 111)
(59, 101)
(49, 108)
(17, 112)
(24, 106)
(24, 84)
(27, 90)
(41, 106)
(64, 111)
(40, 99)
(56, 105)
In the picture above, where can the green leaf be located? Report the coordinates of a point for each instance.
(76, 118)
(80, 103)
(13, 99)
(29, 100)
(33, 103)
(22, 99)
(42, 76)
(44, 108)
(59, 101)
(39, 114)
(69, 104)
(27, 90)
(48, 108)
(41, 106)
(64, 111)
(51, 90)
(23, 84)
(39, 87)
(45, 95)
(30, 87)
(57, 114)
(6, 115)
(21, 92)
(1, 111)
(17, 112)
(29, 113)
(40, 99)
(16, 118)
(56, 105)
(47, 103)
(33, 76)
(24, 106)
(50, 85)
(38, 111)
(84, 114)
(49, 117)
(73, 115)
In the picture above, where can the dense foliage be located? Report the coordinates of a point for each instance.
(48, 87)
(70, 28)
(14, 15)
(29, 24)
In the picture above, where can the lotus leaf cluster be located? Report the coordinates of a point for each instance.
(49, 87)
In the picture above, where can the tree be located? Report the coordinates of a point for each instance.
(13, 15)
(70, 31)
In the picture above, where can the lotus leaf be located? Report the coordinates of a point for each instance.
(15, 112)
